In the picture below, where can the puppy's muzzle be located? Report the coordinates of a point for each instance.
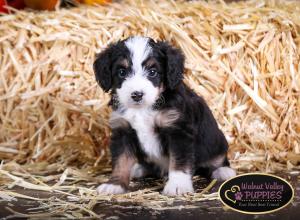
(137, 96)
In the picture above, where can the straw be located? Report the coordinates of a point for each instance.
(242, 57)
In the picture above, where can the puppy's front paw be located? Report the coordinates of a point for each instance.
(108, 188)
(179, 183)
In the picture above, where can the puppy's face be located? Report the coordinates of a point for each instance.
(138, 69)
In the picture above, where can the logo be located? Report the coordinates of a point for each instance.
(256, 193)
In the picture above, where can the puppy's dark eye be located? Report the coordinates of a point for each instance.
(122, 73)
(152, 73)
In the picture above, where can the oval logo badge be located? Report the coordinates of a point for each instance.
(256, 193)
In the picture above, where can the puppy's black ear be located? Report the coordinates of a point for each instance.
(174, 61)
(102, 68)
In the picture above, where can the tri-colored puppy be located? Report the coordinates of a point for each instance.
(159, 125)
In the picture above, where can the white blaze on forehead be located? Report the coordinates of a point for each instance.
(140, 50)
(137, 79)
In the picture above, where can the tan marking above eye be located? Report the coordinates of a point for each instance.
(124, 63)
(150, 62)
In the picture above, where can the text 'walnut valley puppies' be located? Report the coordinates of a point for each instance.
(159, 125)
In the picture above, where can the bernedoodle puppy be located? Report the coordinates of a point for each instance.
(159, 125)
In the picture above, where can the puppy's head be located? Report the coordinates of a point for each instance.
(138, 69)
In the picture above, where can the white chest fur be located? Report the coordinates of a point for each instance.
(142, 120)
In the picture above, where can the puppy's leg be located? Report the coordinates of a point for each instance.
(123, 158)
(180, 167)
(119, 180)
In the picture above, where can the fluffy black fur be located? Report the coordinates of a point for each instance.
(106, 64)
(193, 140)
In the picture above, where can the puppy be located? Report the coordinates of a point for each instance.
(159, 125)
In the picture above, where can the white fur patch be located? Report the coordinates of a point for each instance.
(107, 188)
(140, 50)
(179, 183)
(137, 80)
(142, 120)
(137, 171)
(223, 173)
(138, 83)
(140, 115)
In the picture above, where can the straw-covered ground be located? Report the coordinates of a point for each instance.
(243, 58)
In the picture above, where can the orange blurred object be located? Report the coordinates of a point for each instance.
(92, 2)
(41, 4)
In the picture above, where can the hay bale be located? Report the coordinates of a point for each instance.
(241, 57)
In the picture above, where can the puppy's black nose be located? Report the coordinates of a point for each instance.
(137, 96)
